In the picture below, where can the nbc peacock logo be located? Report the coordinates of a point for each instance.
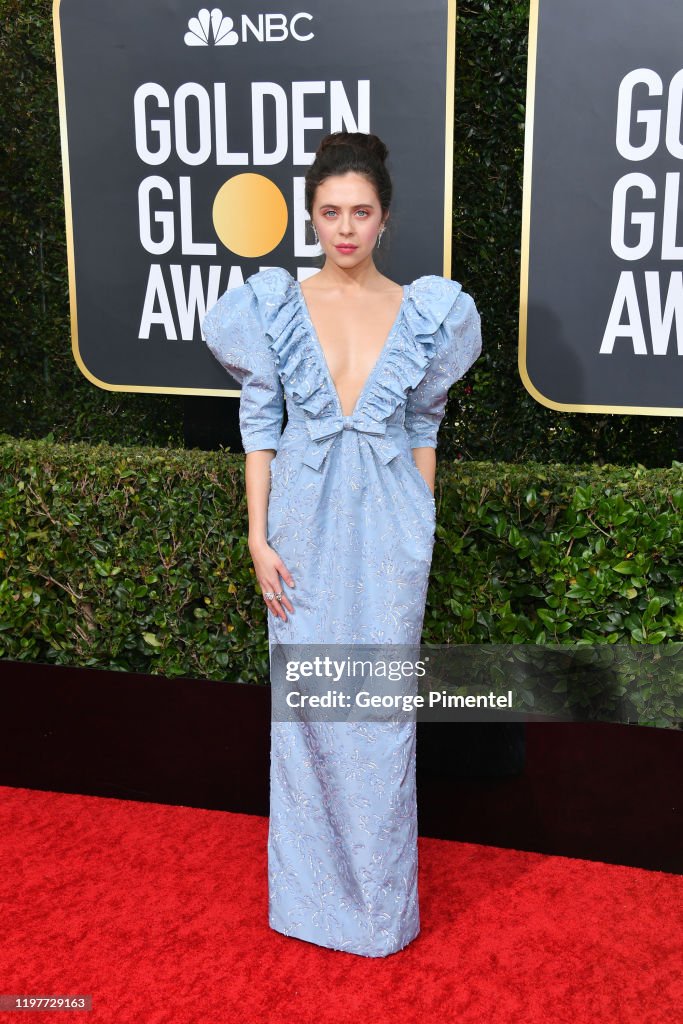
(211, 28)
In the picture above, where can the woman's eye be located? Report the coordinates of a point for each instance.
(361, 213)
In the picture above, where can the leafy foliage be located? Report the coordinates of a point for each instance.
(136, 560)
(550, 553)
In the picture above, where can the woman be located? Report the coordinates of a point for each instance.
(341, 531)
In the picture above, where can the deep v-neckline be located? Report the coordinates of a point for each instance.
(323, 359)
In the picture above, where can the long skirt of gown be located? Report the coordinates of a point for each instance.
(357, 535)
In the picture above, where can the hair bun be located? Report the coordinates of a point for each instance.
(342, 153)
(356, 140)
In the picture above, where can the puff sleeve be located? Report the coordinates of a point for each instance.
(234, 334)
(457, 345)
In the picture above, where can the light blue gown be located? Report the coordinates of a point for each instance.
(353, 520)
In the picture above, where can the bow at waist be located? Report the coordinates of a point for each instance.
(322, 431)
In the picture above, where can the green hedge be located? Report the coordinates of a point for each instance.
(490, 416)
(136, 560)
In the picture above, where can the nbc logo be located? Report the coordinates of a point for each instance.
(210, 27)
(213, 28)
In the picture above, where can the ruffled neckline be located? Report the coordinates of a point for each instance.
(378, 362)
(401, 365)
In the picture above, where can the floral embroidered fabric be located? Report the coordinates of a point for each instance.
(353, 520)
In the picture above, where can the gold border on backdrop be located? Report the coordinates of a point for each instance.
(71, 263)
(526, 234)
(448, 155)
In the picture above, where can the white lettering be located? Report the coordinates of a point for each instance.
(249, 26)
(645, 220)
(661, 322)
(625, 296)
(341, 115)
(671, 251)
(300, 123)
(190, 303)
(162, 128)
(183, 126)
(199, 93)
(292, 27)
(276, 28)
(674, 116)
(650, 118)
(259, 90)
(223, 155)
(165, 217)
(156, 290)
(188, 246)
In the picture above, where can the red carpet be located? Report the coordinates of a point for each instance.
(160, 913)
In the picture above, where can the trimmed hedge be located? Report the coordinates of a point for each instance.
(136, 560)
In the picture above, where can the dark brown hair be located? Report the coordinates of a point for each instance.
(341, 152)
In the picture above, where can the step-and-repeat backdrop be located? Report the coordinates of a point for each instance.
(186, 134)
(601, 312)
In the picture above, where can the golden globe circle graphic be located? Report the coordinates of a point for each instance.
(250, 215)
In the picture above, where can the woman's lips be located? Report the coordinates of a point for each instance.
(346, 248)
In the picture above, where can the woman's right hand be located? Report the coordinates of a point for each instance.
(268, 567)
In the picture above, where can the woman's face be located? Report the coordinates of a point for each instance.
(347, 216)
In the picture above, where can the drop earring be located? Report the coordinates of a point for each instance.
(315, 234)
(379, 236)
